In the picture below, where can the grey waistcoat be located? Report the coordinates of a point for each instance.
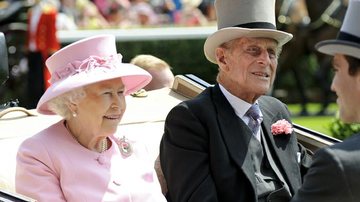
(267, 181)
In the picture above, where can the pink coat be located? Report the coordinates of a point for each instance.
(52, 166)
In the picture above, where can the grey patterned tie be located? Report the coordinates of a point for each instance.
(254, 119)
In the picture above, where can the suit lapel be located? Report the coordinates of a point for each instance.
(237, 143)
(280, 145)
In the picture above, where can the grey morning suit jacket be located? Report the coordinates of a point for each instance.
(334, 175)
(204, 150)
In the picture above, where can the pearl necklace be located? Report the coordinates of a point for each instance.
(104, 143)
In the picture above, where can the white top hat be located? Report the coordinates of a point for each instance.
(348, 39)
(244, 18)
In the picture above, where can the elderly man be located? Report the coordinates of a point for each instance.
(233, 143)
(335, 172)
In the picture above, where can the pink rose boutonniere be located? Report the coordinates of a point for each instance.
(281, 127)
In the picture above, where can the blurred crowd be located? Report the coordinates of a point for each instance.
(38, 39)
(98, 14)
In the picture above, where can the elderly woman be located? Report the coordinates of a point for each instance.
(81, 158)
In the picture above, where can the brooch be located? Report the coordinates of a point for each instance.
(140, 93)
(125, 147)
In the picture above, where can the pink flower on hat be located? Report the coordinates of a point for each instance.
(281, 127)
(89, 64)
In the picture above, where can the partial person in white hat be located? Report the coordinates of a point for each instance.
(81, 157)
(232, 142)
(335, 172)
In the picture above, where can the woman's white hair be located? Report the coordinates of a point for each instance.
(60, 104)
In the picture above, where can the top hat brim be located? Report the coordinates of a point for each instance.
(332, 47)
(226, 34)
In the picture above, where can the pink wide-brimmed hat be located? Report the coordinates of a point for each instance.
(89, 61)
(244, 18)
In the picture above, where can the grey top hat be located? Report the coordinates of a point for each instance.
(348, 39)
(244, 18)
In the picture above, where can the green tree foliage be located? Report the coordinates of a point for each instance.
(341, 130)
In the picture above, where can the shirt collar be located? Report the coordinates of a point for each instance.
(240, 106)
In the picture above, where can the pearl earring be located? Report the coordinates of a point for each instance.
(74, 114)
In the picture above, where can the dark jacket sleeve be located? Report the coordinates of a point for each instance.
(325, 180)
(184, 156)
